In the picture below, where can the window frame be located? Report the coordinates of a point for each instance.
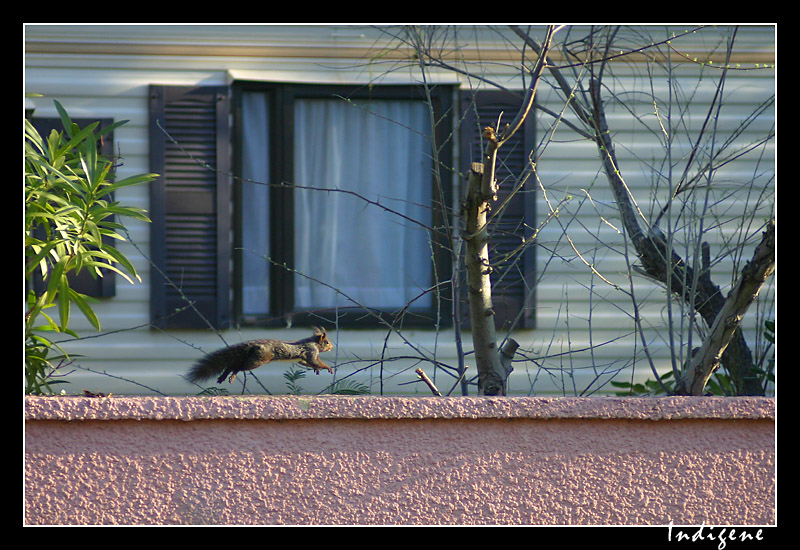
(281, 138)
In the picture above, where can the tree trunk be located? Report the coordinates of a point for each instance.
(493, 366)
(492, 374)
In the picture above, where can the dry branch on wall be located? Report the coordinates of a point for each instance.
(424, 377)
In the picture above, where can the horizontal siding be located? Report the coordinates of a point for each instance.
(569, 298)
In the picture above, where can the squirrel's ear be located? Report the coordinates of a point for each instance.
(319, 331)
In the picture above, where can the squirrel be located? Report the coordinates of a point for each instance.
(227, 362)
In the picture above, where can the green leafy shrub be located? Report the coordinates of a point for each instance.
(69, 210)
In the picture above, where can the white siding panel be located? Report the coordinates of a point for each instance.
(570, 299)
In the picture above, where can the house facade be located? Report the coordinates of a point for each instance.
(312, 175)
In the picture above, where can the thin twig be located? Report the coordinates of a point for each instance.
(429, 382)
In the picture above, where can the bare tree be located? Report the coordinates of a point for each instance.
(660, 260)
(493, 365)
(581, 81)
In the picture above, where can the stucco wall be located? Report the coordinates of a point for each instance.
(373, 460)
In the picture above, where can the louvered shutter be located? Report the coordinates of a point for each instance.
(513, 266)
(190, 207)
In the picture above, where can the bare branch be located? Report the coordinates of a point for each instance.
(429, 382)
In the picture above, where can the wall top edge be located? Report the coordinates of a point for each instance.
(396, 408)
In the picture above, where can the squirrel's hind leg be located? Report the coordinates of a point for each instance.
(225, 374)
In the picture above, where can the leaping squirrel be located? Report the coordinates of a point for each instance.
(228, 362)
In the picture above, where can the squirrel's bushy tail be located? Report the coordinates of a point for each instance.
(210, 366)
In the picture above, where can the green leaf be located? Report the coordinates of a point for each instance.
(74, 141)
(128, 212)
(123, 261)
(51, 325)
(66, 211)
(54, 280)
(111, 127)
(725, 385)
(38, 258)
(33, 136)
(133, 180)
(89, 166)
(769, 332)
(82, 303)
(66, 121)
(63, 300)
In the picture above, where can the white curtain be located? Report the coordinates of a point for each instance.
(255, 204)
(378, 150)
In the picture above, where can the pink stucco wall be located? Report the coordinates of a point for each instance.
(388, 460)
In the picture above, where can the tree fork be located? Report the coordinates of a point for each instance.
(754, 275)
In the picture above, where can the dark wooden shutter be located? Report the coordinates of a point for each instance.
(190, 206)
(513, 266)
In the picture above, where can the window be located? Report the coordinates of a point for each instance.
(311, 204)
(350, 233)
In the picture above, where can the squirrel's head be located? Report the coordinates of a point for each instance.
(322, 339)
